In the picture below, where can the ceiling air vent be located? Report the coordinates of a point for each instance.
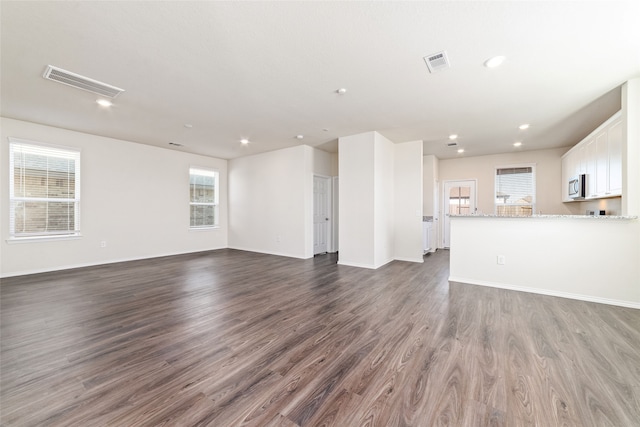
(75, 80)
(452, 144)
(437, 61)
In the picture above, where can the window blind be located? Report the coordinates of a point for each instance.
(44, 190)
(515, 191)
(203, 194)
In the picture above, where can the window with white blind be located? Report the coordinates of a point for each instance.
(44, 190)
(515, 190)
(203, 201)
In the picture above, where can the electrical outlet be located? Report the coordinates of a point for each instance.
(500, 260)
(103, 243)
(278, 238)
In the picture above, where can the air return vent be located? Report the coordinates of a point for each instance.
(437, 61)
(75, 80)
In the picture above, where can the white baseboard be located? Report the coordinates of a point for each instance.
(284, 254)
(418, 260)
(355, 264)
(94, 264)
(375, 267)
(581, 297)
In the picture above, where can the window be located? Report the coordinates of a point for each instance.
(515, 190)
(203, 202)
(459, 200)
(44, 190)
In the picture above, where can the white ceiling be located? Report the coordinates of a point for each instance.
(268, 71)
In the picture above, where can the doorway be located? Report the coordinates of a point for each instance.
(321, 213)
(459, 199)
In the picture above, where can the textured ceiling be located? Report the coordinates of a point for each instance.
(268, 71)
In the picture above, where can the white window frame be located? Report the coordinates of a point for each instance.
(16, 144)
(204, 171)
(534, 196)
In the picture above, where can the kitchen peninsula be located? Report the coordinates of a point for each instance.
(591, 258)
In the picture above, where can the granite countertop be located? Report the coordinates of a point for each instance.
(599, 217)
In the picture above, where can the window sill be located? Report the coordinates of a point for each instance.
(214, 227)
(35, 239)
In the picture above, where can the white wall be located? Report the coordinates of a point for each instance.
(383, 200)
(322, 163)
(334, 164)
(587, 258)
(482, 168)
(408, 201)
(429, 180)
(271, 202)
(431, 195)
(380, 200)
(133, 196)
(356, 200)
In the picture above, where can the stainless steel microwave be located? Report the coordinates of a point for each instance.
(577, 187)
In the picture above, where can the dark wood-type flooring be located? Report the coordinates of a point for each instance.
(231, 338)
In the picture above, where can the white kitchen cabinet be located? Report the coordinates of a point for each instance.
(602, 160)
(574, 163)
(590, 154)
(599, 157)
(614, 184)
(566, 175)
(581, 160)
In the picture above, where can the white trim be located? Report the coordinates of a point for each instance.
(207, 228)
(199, 170)
(369, 266)
(44, 144)
(443, 214)
(212, 173)
(288, 255)
(329, 200)
(418, 260)
(335, 220)
(353, 264)
(534, 202)
(569, 295)
(55, 151)
(34, 239)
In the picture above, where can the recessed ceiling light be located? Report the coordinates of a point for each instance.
(494, 62)
(517, 144)
(341, 91)
(244, 141)
(299, 136)
(460, 150)
(188, 125)
(104, 102)
(453, 136)
(524, 126)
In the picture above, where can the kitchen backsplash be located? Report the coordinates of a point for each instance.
(612, 206)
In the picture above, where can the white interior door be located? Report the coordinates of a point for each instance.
(459, 199)
(320, 213)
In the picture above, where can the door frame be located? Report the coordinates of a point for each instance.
(445, 215)
(335, 217)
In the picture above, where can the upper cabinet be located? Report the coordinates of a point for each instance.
(614, 171)
(599, 157)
